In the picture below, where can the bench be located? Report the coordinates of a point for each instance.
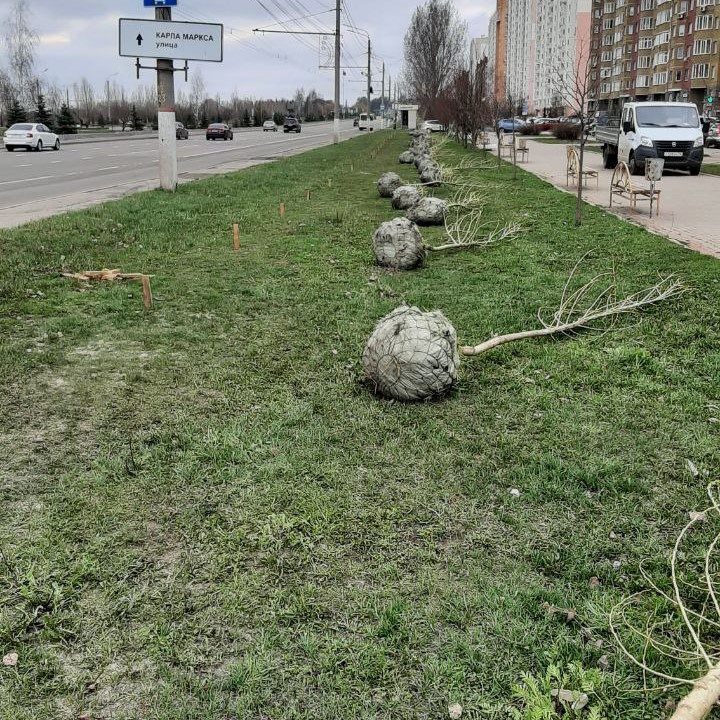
(622, 185)
(506, 145)
(522, 149)
(573, 168)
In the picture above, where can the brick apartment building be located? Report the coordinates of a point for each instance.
(655, 50)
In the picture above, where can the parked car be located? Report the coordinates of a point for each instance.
(220, 131)
(31, 136)
(713, 136)
(292, 124)
(433, 126)
(269, 126)
(181, 132)
(510, 125)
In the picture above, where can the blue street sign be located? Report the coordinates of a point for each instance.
(159, 3)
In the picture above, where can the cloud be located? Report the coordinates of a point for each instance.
(55, 39)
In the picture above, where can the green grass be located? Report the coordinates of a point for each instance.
(207, 515)
(711, 168)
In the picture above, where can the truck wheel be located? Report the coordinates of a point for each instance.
(609, 159)
(633, 167)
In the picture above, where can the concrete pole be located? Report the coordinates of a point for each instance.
(368, 82)
(166, 115)
(336, 116)
(382, 97)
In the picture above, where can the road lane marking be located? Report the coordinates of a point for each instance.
(113, 167)
(12, 182)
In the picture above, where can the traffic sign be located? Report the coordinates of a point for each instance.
(160, 3)
(710, 99)
(171, 40)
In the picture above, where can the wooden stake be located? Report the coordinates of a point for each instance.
(282, 209)
(147, 291)
(236, 237)
(307, 194)
(352, 167)
(329, 182)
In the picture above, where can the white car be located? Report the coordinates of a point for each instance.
(433, 126)
(269, 125)
(31, 136)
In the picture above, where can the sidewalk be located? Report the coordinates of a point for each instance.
(689, 207)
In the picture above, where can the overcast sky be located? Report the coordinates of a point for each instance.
(80, 38)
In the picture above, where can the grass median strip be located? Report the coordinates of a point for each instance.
(206, 514)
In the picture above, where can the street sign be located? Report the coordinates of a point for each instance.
(160, 3)
(171, 40)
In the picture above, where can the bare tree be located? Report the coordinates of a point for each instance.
(197, 93)
(20, 40)
(84, 95)
(495, 110)
(573, 83)
(434, 46)
(467, 93)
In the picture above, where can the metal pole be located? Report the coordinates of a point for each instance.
(107, 90)
(166, 115)
(336, 116)
(368, 82)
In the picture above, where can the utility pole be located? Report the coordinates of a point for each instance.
(166, 114)
(382, 95)
(369, 87)
(336, 115)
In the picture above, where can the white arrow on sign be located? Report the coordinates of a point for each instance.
(171, 40)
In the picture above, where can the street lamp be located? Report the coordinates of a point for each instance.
(37, 82)
(107, 96)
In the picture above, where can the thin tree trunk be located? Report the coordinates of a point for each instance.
(701, 699)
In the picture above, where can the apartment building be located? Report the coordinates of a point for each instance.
(530, 43)
(656, 50)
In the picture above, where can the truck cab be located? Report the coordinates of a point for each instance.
(667, 130)
(366, 122)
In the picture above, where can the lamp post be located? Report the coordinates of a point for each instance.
(107, 97)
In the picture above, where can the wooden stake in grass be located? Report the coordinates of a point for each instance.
(282, 209)
(236, 237)
(307, 194)
(147, 291)
(412, 355)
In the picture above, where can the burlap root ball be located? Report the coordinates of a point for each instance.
(398, 244)
(406, 158)
(431, 174)
(428, 211)
(388, 183)
(412, 355)
(405, 197)
(421, 161)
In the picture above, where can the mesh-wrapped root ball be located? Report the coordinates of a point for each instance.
(398, 244)
(405, 197)
(431, 174)
(388, 183)
(406, 158)
(428, 211)
(412, 355)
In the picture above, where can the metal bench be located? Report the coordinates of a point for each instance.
(623, 186)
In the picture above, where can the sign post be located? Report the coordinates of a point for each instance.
(166, 40)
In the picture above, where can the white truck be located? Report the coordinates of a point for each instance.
(668, 130)
(366, 122)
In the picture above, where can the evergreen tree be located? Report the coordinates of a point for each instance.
(101, 120)
(245, 122)
(16, 113)
(203, 119)
(65, 121)
(42, 114)
(135, 122)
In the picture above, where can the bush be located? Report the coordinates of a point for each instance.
(566, 131)
(530, 129)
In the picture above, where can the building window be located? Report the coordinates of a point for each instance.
(700, 71)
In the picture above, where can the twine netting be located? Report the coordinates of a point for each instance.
(405, 197)
(412, 355)
(388, 183)
(398, 244)
(428, 211)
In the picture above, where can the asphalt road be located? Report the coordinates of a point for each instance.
(35, 185)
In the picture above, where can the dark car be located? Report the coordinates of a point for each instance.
(181, 132)
(219, 131)
(291, 124)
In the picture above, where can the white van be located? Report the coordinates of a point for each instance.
(366, 124)
(668, 130)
